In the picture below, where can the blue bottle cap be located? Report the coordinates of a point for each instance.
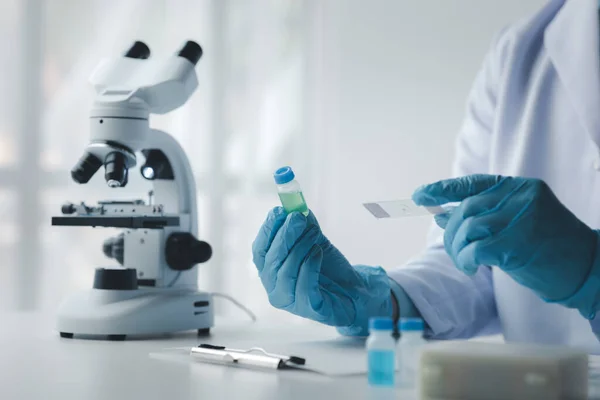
(283, 175)
(381, 324)
(411, 324)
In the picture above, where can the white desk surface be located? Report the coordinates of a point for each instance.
(35, 363)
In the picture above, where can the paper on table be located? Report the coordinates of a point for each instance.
(343, 357)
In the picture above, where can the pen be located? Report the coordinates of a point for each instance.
(253, 357)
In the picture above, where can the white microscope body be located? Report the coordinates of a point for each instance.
(154, 290)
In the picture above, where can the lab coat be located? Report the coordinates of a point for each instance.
(534, 111)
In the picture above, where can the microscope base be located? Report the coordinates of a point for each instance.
(116, 314)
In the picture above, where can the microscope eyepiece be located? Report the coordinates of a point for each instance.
(115, 169)
(191, 51)
(138, 50)
(85, 168)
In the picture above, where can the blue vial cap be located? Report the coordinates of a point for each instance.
(411, 324)
(381, 324)
(284, 175)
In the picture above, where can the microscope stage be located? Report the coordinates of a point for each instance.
(112, 221)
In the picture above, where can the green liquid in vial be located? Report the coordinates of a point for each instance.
(294, 202)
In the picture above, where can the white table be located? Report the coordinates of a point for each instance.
(35, 363)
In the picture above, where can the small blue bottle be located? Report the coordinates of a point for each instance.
(381, 352)
(409, 349)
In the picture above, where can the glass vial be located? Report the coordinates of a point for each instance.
(289, 191)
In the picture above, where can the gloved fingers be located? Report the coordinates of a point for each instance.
(337, 307)
(484, 215)
(477, 218)
(336, 266)
(442, 220)
(452, 226)
(488, 228)
(453, 190)
(312, 220)
(293, 229)
(282, 293)
(285, 238)
(467, 260)
(476, 254)
(486, 201)
(319, 297)
(472, 229)
(491, 200)
(493, 203)
(497, 199)
(265, 236)
(308, 294)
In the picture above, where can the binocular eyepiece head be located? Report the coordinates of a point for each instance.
(116, 158)
(191, 51)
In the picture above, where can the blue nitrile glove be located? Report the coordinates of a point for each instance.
(519, 225)
(303, 273)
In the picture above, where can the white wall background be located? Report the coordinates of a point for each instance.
(363, 98)
(398, 73)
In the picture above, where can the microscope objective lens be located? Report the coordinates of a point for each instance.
(115, 167)
(86, 167)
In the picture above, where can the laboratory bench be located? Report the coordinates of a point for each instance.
(35, 363)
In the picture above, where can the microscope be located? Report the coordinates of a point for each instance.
(153, 289)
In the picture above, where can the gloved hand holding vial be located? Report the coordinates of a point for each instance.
(305, 274)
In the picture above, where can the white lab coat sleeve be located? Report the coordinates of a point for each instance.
(452, 304)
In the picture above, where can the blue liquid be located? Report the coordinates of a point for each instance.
(382, 365)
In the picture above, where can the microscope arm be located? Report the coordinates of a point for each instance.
(178, 196)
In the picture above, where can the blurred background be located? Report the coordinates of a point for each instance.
(362, 98)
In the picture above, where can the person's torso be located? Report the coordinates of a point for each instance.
(545, 128)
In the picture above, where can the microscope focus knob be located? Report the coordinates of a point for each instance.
(114, 248)
(183, 251)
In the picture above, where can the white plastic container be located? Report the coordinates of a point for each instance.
(381, 353)
(498, 371)
(409, 349)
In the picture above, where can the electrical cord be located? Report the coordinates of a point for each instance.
(237, 303)
(174, 279)
(224, 296)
